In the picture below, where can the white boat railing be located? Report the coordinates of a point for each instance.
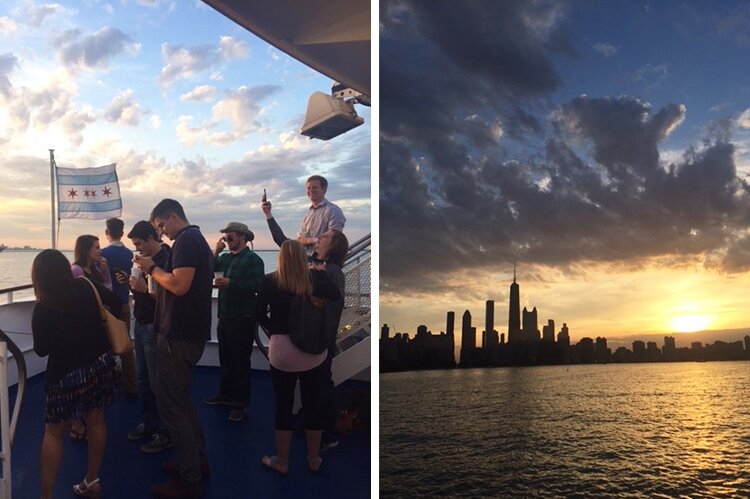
(8, 423)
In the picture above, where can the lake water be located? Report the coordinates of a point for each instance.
(626, 430)
(15, 269)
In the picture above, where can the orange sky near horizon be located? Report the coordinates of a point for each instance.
(593, 300)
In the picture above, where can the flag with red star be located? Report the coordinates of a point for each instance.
(92, 193)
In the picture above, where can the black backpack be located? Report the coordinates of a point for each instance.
(313, 323)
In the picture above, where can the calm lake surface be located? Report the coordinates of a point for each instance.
(625, 430)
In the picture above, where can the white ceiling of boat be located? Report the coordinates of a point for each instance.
(330, 36)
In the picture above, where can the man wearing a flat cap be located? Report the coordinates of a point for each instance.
(243, 273)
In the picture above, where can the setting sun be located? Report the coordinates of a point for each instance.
(690, 323)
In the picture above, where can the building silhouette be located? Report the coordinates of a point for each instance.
(526, 346)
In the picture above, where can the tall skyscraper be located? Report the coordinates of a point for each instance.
(548, 332)
(530, 325)
(384, 332)
(468, 339)
(514, 314)
(489, 322)
(449, 325)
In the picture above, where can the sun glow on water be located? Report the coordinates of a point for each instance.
(690, 323)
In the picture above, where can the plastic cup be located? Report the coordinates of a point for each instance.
(136, 272)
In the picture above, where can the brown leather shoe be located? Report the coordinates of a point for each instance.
(177, 488)
(173, 468)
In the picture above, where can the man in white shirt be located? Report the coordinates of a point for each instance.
(321, 217)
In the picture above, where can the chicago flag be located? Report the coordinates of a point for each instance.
(91, 193)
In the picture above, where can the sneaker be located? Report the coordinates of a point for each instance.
(217, 400)
(173, 468)
(328, 441)
(237, 414)
(157, 444)
(177, 487)
(139, 433)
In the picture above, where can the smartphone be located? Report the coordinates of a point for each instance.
(264, 198)
(120, 271)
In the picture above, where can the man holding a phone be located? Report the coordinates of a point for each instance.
(120, 259)
(321, 217)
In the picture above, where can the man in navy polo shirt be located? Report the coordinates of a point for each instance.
(182, 322)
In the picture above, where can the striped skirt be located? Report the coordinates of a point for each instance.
(93, 386)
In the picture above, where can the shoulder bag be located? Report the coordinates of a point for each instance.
(117, 330)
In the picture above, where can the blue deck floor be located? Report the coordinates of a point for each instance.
(234, 450)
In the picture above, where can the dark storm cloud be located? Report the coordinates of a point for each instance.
(478, 168)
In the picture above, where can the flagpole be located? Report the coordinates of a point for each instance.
(52, 192)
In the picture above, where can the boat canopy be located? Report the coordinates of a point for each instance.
(330, 36)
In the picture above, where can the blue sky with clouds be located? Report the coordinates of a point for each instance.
(187, 103)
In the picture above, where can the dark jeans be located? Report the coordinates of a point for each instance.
(311, 386)
(145, 369)
(176, 358)
(235, 348)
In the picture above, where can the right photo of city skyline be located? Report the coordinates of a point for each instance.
(565, 248)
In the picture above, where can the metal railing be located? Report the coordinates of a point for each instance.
(9, 291)
(9, 424)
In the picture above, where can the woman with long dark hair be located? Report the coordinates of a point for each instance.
(289, 363)
(89, 262)
(81, 377)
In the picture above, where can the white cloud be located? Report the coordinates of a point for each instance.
(202, 93)
(155, 121)
(122, 110)
(75, 122)
(744, 119)
(242, 108)
(36, 14)
(8, 62)
(184, 62)
(186, 134)
(606, 49)
(231, 48)
(92, 51)
(8, 26)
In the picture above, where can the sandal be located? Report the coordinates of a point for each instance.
(275, 464)
(88, 489)
(314, 463)
(79, 436)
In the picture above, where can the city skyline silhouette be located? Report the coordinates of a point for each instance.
(523, 343)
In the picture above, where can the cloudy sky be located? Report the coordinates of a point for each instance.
(188, 104)
(603, 146)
